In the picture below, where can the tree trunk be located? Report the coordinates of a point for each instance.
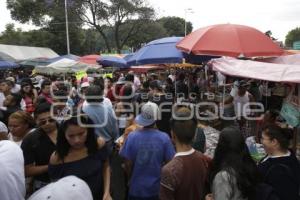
(105, 39)
(117, 41)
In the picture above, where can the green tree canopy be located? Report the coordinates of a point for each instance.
(174, 26)
(292, 36)
(100, 15)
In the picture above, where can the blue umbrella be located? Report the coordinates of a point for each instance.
(7, 65)
(112, 61)
(161, 51)
(164, 51)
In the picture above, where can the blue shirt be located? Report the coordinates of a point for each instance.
(148, 149)
(104, 119)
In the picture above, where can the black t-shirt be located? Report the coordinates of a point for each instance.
(37, 148)
(283, 174)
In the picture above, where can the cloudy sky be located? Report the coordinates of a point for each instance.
(279, 16)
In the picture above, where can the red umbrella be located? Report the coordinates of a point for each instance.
(229, 40)
(90, 59)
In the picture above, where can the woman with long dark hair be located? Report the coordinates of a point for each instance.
(29, 95)
(280, 168)
(234, 174)
(79, 153)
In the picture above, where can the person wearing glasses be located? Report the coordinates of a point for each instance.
(39, 145)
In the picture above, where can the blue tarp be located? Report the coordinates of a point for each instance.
(7, 65)
(112, 61)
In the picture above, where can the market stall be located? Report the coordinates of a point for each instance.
(284, 73)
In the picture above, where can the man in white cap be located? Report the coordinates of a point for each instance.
(15, 87)
(3, 131)
(67, 188)
(145, 152)
(12, 171)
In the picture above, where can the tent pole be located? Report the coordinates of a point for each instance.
(175, 69)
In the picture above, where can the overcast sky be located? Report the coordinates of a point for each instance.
(279, 16)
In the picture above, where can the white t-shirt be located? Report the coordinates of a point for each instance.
(2, 98)
(16, 88)
(172, 77)
(10, 138)
(12, 171)
(221, 79)
(239, 103)
(3, 127)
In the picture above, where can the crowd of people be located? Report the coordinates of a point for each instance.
(143, 137)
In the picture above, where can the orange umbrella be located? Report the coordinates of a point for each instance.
(229, 40)
(90, 59)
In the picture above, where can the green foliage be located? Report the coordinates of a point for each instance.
(105, 17)
(113, 25)
(148, 31)
(175, 26)
(292, 36)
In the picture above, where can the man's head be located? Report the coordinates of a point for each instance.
(12, 99)
(183, 126)
(43, 118)
(12, 80)
(6, 86)
(129, 77)
(83, 87)
(149, 115)
(46, 87)
(94, 94)
(242, 87)
(155, 86)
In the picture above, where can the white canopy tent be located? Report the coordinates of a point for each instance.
(63, 66)
(257, 70)
(289, 60)
(25, 52)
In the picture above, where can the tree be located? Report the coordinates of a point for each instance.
(147, 32)
(292, 36)
(175, 26)
(116, 14)
(101, 15)
(49, 15)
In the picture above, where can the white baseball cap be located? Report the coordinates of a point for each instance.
(3, 128)
(67, 188)
(85, 84)
(149, 114)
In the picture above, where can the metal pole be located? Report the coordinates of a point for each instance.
(185, 13)
(185, 22)
(67, 27)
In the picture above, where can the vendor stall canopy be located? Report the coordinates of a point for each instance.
(25, 52)
(257, 70)
(229, 40)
